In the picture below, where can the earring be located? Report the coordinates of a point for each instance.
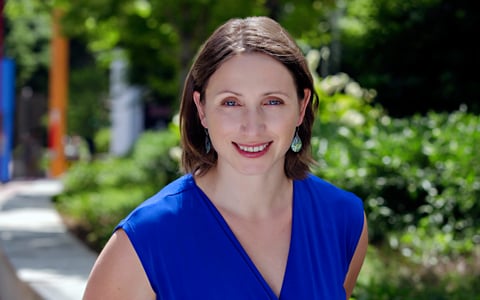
(296, 144)
(208, 144)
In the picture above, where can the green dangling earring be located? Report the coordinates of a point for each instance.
(296, 144)
(208, 144)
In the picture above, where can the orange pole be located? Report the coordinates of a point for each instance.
(58, 90)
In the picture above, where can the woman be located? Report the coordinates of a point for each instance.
(247, 220)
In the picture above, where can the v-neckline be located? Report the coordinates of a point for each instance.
(235, 241)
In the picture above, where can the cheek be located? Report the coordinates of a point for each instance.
(223, 117)
(287, 119)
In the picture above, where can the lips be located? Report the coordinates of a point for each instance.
(253, 149)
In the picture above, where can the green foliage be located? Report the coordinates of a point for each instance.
(307, 20)
(99, 193)
(102, 140)
(87, 102)
(151, 164)
(27, 38)
(96, 212)
(415, 50)
(159, 37)
(158, 151)
(385, 276)
(419, 178)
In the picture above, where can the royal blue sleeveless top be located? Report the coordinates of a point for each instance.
(188, 250)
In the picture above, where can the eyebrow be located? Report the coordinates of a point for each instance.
(227, 92)
(264, 94)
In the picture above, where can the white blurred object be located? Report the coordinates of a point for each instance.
(126, 110)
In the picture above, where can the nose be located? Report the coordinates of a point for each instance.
(253, 121)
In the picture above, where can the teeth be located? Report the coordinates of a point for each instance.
(253, 149)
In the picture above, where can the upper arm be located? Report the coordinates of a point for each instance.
(357, 260)
(118, 272)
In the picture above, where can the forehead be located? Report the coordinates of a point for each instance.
(251, 70)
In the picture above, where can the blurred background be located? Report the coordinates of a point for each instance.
(90, 92)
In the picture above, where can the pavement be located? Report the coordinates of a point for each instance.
(39, 258)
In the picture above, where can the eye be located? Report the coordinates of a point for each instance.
(230, 102)
(273, 102)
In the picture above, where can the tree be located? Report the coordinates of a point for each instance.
(418, 55)
(159, 38)
(27, 40)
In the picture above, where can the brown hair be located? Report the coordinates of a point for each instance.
(252, 34)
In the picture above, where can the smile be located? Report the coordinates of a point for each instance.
(253, 149)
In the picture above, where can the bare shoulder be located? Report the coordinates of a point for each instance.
(118, 273)
(357, 260)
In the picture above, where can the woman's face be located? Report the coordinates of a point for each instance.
(251, 110)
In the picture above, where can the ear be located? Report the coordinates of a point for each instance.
(200, 108)
(303, 105)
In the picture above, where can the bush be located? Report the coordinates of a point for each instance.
(419, 178)
(94, 214)
(98, 194)
(101, 140)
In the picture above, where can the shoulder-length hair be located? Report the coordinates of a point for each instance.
(257, 35)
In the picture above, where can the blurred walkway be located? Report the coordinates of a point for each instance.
(39, 258)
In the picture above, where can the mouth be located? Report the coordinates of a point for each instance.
(253, 149)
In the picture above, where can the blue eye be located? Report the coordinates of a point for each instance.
(274, 102)
(230, 103)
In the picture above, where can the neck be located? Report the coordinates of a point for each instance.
(249, 196)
